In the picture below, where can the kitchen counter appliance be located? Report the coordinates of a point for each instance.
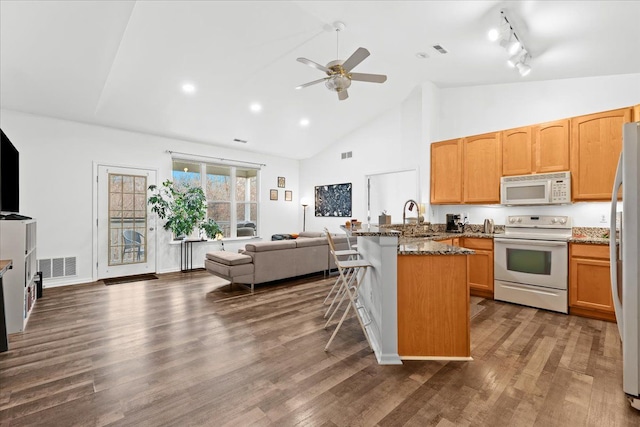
(454, 223)
(531, 261)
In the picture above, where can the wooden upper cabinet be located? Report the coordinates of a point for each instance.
(551, 148)
(636, 113)
(516, 151)
(446, 172)
(596, 143)
(482, 168)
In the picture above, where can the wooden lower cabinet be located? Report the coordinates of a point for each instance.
(480, 266)
(433, 307)
(590, 282)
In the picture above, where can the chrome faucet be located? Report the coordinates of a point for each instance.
(411, 204)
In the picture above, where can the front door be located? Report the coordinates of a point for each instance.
(126, 233)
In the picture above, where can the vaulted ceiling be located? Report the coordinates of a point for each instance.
(123, 63)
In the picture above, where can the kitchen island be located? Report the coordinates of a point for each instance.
(416, 296)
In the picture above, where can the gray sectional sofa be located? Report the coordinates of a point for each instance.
(262, 262)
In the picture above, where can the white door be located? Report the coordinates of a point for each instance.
(126, 237)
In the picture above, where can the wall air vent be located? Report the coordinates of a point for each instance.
(244, 141)
(57, 267)
(346, 155)
(440, 49)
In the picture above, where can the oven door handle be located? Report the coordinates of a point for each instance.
(531, 242)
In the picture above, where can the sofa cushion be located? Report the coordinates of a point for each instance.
(311, 234)
(228, 258)
(234, 272)
(270, 246)
(311, 241)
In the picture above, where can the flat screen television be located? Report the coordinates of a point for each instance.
(9, 176)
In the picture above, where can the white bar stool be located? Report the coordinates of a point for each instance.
(348, 281)
(349, 254)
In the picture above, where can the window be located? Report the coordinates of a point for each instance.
(231, 192)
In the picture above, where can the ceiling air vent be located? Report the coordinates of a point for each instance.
(440, 49)
(244, 141)
(346, 155)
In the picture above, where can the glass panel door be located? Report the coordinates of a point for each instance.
(127, 219)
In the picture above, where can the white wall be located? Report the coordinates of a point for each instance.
(480, 109)
(56, 184)
(391, 142)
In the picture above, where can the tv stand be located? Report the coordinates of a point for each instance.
(14, 217)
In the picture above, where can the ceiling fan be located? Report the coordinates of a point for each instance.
(339, 75)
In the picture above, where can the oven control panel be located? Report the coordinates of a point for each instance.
(538, 221)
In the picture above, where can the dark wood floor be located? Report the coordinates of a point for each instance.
(184, 350)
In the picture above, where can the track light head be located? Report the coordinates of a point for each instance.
(512, 43)
(523, 69)
(518, 57)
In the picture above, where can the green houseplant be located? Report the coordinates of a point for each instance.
(182, 210)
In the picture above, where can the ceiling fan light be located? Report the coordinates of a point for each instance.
(338, 83)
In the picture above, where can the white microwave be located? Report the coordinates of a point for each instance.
(539, 189)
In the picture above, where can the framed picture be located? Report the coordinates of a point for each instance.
(281, 182)
(273, 194)
(288, 195)
(333, 200)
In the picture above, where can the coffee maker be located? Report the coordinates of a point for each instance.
(454, 224)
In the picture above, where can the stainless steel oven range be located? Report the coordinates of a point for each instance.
(531, 261)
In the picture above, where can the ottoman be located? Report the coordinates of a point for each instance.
(230, 266)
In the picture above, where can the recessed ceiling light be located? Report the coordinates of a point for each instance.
(188, 88)
(493, 34)
(304, 122)
(255, 107)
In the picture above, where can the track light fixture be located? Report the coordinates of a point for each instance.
(509, 39)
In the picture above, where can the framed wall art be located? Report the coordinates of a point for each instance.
(281, 182)
(273, 194)
(288, 195)
(333, 200)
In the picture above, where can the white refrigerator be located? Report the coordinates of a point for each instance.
(625, 273)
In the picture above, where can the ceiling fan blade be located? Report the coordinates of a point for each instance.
(312, 83)
(342, 95)
(315, 65)
(372, 78)
(357, 57)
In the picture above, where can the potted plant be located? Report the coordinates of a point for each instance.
(182, 210)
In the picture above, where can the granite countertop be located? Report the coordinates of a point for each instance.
(420, 239)
(590, 235)
(589, 240)
(417, 241)
(428, 246)
(371, 230)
